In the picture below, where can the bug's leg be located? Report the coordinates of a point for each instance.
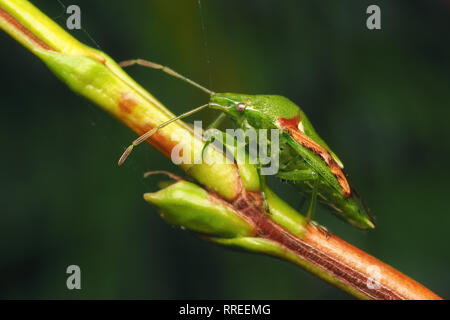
(207, 142)
(167, 173)
(304, 175)
(218, 121)
(297, 175)
(262, 188)
(210, 140)
(169, 71)
(149, 133)
(214, 125)
(312, 204)
(301, 204)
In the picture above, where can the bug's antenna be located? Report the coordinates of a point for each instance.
(149, 133)
(167, 173)
(153, 65)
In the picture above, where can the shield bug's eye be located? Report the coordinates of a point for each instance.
(240, 107)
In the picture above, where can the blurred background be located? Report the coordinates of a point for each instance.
(379, 98)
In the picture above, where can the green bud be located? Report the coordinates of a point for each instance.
(187, 205)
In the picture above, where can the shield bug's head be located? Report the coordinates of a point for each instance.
(260, 111)
(233, 104)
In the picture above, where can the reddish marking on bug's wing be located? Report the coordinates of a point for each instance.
(291, 127)
(291, 123)
(126, 103)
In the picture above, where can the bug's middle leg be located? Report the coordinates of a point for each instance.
(312, 205)
(304, 175)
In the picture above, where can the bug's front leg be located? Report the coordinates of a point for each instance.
(304, 175)
(218, 121)
(206, 144)
(214, 125)
(209, 140)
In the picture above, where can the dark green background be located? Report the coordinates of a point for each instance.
(379, 98)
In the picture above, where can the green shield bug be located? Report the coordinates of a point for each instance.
(305, 160)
